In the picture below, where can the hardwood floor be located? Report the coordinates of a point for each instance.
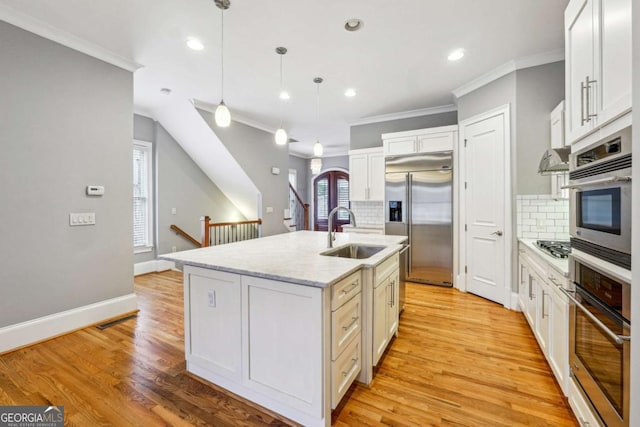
(459, 361)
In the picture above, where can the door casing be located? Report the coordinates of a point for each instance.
(460, 283)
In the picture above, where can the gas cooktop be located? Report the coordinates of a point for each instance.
(557, 249)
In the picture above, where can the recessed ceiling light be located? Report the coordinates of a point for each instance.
(350, 93)
(165, 91)
(284, 95)
(455, 55)
(195, 44)
(353, 24)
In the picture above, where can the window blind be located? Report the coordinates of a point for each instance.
(343, 197)
(141, 197)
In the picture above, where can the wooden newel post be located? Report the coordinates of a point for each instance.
(205, 229)
(306, 216)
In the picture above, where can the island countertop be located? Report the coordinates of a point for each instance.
(289, 257)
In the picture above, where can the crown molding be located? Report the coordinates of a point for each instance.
(33, 25)
(404, 115)
(507, 68)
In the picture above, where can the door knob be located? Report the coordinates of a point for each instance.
(497, 233)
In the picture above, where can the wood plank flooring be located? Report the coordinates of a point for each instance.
(458, 361)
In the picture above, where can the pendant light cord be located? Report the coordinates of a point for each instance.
(222, 53)
(280, 100)
(318, 109)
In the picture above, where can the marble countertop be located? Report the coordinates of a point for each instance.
(561, 265)
(289, 257)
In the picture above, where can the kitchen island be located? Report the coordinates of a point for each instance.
(280, 324)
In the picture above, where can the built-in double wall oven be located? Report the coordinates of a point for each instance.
(599, 329)
(599, 265)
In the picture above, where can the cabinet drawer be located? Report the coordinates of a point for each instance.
(400, 146)
(346, 323)
(580, 407)
(385, 268)
(345, 289)
(344, 371)
(556, 279)
(435, 142)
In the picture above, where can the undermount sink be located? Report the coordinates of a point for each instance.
(354, 251)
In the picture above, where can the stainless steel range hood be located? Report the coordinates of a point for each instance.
(554, 161)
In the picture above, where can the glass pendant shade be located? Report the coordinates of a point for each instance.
(223, 116)
(317, 149)
(316, 166)
(281, 137)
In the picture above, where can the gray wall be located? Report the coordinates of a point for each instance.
(538, 90)
(302, 167)
(144, 130)
(182, 185)
(256, 152)
(532, 93)
(178, 183)
(65, 123)
(368, 136)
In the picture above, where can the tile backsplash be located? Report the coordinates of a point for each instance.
(540, 216)
(368, 214)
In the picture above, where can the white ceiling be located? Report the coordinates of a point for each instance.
(396, 63)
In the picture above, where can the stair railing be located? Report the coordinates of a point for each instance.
(299, 209)
(219, 233)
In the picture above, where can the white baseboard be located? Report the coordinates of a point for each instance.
(514, 302)
(153, 266)
(53, 325)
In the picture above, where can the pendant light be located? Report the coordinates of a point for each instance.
(316, 166)
(281, 135)
(222, 115)
(317, 147)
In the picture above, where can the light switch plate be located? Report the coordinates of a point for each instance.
(85, 218)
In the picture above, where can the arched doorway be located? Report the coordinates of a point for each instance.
(330, 189)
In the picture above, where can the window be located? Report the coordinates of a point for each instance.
(142, 197)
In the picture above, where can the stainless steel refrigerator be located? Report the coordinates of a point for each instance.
(418, 204)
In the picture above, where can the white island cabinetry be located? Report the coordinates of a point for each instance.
(290, 338)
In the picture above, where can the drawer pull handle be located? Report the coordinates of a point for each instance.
(354, 363)
(353, 286)
(354, 320)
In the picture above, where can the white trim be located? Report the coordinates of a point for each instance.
(147, 148)
(374, 150)
(35, 26)
(43, 328)
(153, 266)
(507, 68)
(515, 306)
(508, 220)
(141, 111)
(405, 115)
(206, 106)
(419, 132)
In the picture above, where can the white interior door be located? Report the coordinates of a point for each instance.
(484, 171)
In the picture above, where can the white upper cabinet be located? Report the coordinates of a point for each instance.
(598, 64)
(420, 141)
(557, 126)
(366, 174)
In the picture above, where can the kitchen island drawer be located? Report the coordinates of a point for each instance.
(344, 371)
(346, 323)
(345, 289)
(385, 268)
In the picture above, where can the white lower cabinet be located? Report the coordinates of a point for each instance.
(581, 408)
(212, 300)
(546, 310)
(543, 321)
(385, 306)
